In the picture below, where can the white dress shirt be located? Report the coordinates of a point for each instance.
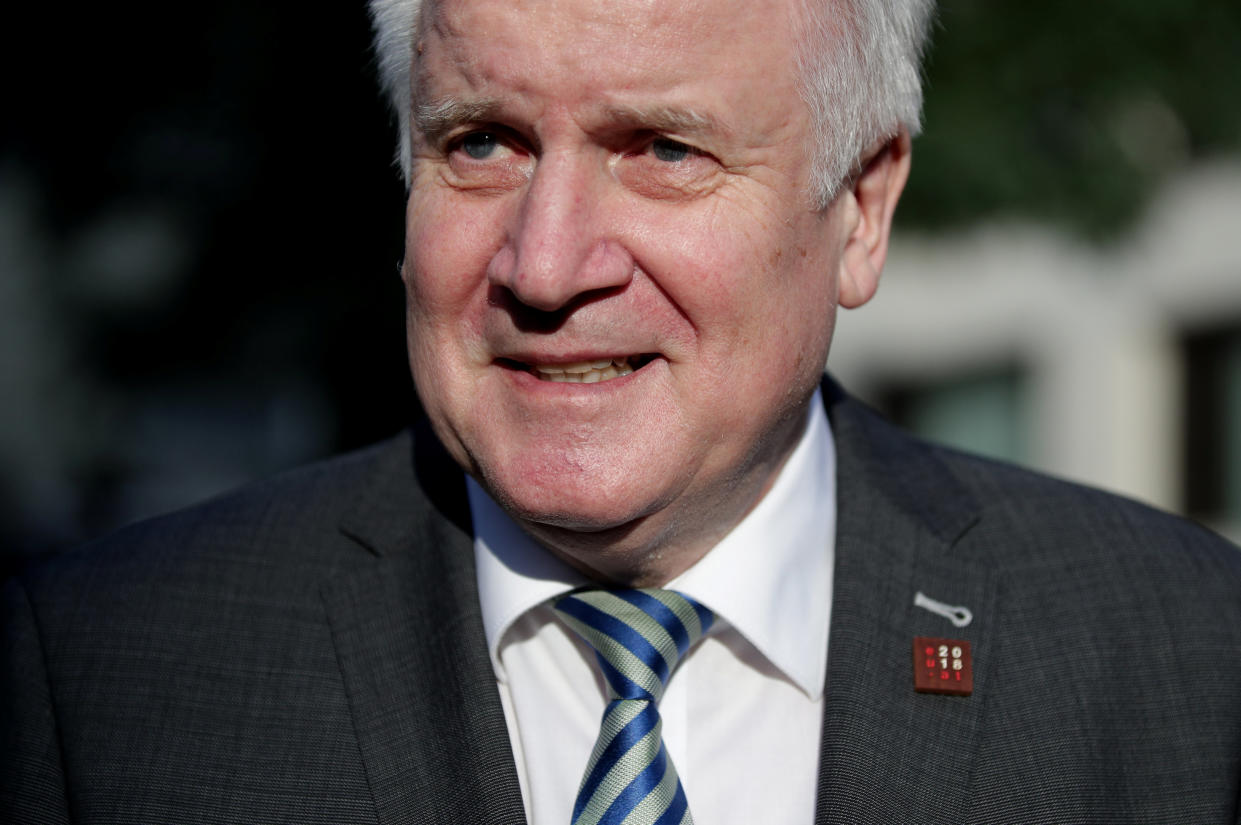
(742, 712)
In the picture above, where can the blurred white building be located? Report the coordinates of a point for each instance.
(1118, 366)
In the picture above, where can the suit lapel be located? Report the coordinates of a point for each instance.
(890, 754)
(429, 722)
(409, 638)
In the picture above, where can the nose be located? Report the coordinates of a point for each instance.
(561, 246)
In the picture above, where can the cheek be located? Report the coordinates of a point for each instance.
(705, 260)
(446, 292)
(776, 302)
(446, 253)
(753, 280)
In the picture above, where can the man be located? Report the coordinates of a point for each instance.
(630, 225)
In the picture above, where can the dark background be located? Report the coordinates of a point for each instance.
(200, 220)
(201, 231)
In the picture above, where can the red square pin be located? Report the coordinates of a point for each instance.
(943, 666)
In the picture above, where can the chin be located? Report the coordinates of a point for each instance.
(577, 501)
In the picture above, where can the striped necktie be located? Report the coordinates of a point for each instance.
(638, 637)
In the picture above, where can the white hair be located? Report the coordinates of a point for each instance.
(861, 76)
(859, 60)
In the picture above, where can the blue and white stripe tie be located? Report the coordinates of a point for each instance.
(638, 637)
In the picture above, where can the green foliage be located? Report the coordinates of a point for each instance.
(1070, 113)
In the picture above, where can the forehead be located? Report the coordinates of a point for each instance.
(668, 21)
(606, 47)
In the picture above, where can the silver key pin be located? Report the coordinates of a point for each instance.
(959, 616)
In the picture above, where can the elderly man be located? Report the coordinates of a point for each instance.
(677, 574)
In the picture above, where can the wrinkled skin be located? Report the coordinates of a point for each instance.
(625, 180)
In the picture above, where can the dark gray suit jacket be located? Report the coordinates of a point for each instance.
(310, 651)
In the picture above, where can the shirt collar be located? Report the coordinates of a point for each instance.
(770, 577)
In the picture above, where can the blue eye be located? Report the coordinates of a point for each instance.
(479, 145)
(670, 151)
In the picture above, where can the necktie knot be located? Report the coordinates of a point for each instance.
(638, 635)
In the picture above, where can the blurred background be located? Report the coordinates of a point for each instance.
(200, 227)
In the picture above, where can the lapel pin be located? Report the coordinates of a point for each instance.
(943, 666)
(959, 616)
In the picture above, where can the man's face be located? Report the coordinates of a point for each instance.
(617, 187)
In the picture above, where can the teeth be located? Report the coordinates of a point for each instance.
(584, 372)
(587, 366)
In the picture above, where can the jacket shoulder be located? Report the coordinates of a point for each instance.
(258, 534)
(162, 668)
(1048, 521)
(1058, 546)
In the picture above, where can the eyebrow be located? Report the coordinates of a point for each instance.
(665, 119)
(437, 118)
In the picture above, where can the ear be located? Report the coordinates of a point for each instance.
(874, 192)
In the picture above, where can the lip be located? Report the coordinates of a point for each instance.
(527, 360)
(520, 369)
